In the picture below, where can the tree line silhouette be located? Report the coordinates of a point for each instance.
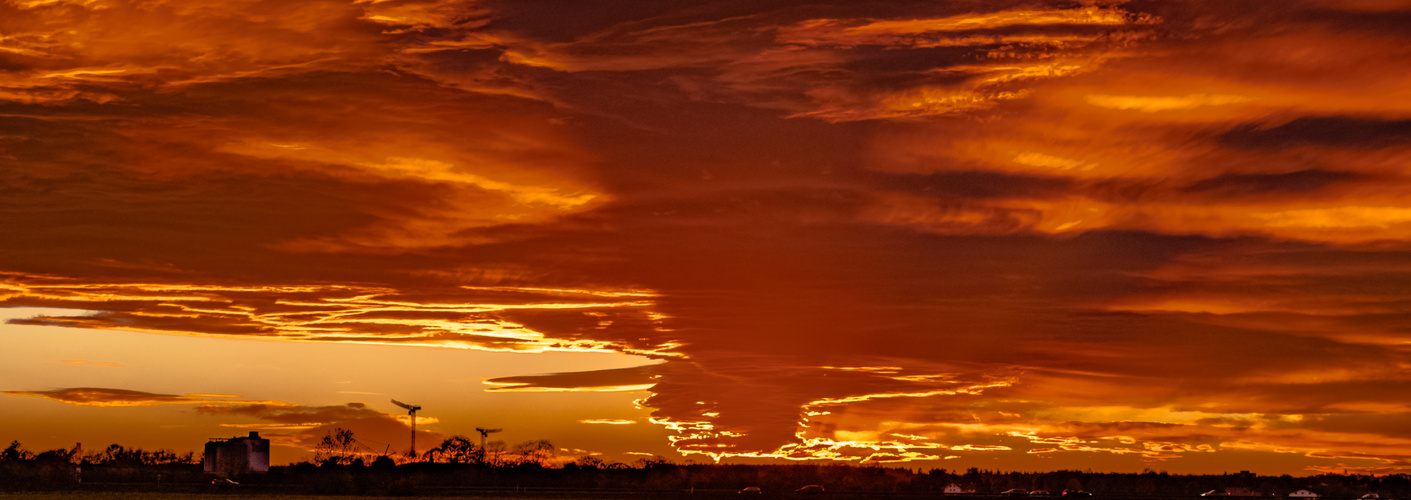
(341, 464)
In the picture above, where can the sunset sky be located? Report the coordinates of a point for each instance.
(1016, 235)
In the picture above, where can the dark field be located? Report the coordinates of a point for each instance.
(133, 492)
(494, 494)
(659, 480)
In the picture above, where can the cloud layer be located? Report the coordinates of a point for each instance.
(1114, 232)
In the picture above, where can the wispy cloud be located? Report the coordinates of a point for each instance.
(338, 313)
(607, 421)
(100, 396)
(615, 380)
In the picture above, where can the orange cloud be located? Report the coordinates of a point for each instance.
(1115, 232)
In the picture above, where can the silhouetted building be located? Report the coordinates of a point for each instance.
(955, 489)
(237, 456)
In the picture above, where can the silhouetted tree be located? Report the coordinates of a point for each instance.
(456, 450)
(494, 452)
(651, 462)
(115, 454)
(336, 448)
(15, 453)
(57, 455)
(588, 462)
(540, 453)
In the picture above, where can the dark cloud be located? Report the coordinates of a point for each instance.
(294, 414)
(1382, 424)
(1333, 131)
(98, 396)
(599, 380)
(1302, 181)
(1377, 22)
(101, 396)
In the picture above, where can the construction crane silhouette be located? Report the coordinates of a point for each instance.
(411, 410)
(484, 432)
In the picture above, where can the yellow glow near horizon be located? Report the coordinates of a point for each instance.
(299, 379)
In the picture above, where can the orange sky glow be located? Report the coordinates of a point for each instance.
(1017, 235)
